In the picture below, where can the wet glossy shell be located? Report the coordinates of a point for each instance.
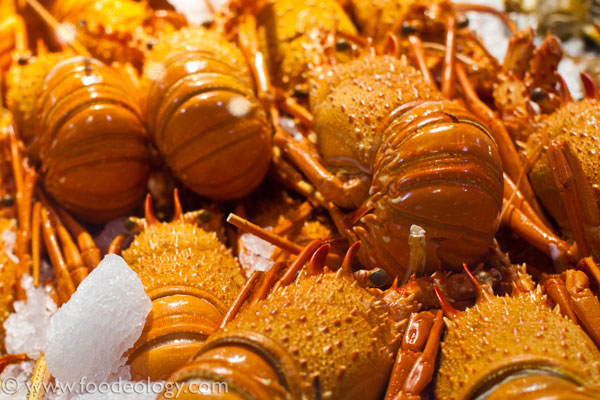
(91, 139)
(376, 18)
(327, 339)
(203, 115)
(110, 29)
(507, 335)
(290, 36)
(429, 162)
(192, 279)
(578, 122)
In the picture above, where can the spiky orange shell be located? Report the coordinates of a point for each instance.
(328, 334)
(112, 30)
(292, 32)
(181, 254)
(203, 114)
(191, 279)
(507, 334)
(577, 122)
(427, 162)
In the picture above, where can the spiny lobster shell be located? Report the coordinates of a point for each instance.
(429, 161)
(203, 114)
(192, 279)
(577, 122)
(508, 335)
(87, 133)
(287, 30)
(111, 30)
(325, 337)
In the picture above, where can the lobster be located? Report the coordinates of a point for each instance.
(317, 335)
(78, 118)
(203, 114)
(560, 147)
(191, 279)
(544, 354)
(110, 30)
(397, 153)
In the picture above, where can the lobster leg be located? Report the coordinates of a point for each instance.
(417, 48)
(583, 302)
(65, 284)
(449, 58)
(508, 152)
(347, 194)
(415, 362)
(89, 251)
(578, 197)
(516, 198)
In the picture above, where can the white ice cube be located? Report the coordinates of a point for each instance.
(105, 316)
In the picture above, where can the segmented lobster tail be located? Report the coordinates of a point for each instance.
(203, 115)
(438, 167)
(191, 279)
(93, 142)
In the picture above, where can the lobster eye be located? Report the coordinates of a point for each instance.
(7, 200)
(538, 94)
(149, 45)
(408, 29)
(379, 277)
(462, 21)
(342, 45)
(300, 92)
(22, 60)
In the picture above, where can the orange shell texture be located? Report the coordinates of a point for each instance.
(506, 333)
(336, 333)
(431, 163)
(577, 122)
(291, 34)
(203, 115)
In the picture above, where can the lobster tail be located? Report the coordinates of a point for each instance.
(191, 279)
(93, 143)
(439, 169)
(204, 117)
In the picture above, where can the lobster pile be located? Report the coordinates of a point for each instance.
(427, 217)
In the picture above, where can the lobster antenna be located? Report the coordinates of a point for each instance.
(66, 32)
(263, 234)
(296, 266)
(243, 295)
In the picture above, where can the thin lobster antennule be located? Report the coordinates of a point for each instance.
(417, 48)
(482, 294)
(449, 310)
(263, 234)
(590, 87)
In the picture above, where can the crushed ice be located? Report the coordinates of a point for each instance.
(256, 253)
(88, 335)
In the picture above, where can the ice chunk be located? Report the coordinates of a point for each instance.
(9, 239)
(26, 327)
(256, 253)
(196, 11)
(14, 380)
(105, 316)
